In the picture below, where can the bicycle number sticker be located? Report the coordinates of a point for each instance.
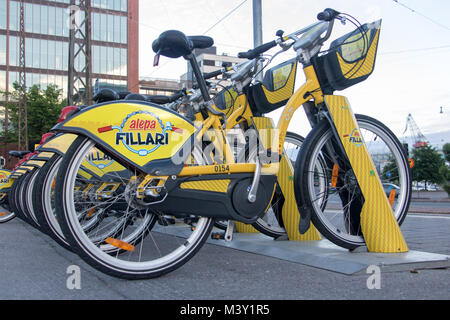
(221, 168)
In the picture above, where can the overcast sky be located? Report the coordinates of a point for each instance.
(412, 73)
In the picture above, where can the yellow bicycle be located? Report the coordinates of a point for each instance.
(163, 153)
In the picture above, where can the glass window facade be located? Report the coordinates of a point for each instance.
(108, 60)
(39, 53)
(109, 28)
(41, 79)
(40, 19)
(117, 5)
(46, 49)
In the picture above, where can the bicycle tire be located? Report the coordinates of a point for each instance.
(305, 173)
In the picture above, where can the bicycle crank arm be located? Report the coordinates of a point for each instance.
(254, 188)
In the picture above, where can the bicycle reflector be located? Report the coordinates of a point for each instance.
(120, 244)
(392, 197)
(66, 112)
(334, 176)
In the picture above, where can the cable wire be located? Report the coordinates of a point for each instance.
(424, 16)
(225, 16)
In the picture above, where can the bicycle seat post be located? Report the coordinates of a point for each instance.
(199, 76)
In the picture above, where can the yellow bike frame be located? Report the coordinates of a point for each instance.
(378, 223)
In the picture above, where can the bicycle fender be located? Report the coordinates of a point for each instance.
(57, 144)
(149, 137)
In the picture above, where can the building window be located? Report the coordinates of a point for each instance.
(2, 14)
(51, 21)
(208, 63)
(2, 84)
(2, 50)
(123, 29)
(44, 19)
(13, 16)
(13, 77)
(117, 5)
(28, 17)
(13, 51)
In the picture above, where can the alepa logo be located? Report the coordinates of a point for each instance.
(142, 132)
(355, 138)
(99, 160)
(4, 179)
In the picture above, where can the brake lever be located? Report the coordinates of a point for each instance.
(286, 46)
(342, 19)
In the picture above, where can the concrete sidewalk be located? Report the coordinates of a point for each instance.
(35, 267)
(430, 196)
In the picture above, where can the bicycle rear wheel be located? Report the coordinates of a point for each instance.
(26, 198)
(7, 215)
(336, 202)
(271, 224)
(13, 197)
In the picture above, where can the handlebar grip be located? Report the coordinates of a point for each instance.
(212, 74)
(252, 54)
(176, 96)
(327, 15)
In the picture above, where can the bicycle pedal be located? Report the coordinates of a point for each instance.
(218, 235)
(171, 220)
(164, 221)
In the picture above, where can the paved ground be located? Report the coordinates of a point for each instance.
(431, 196)
(34, 267)
(430, 202)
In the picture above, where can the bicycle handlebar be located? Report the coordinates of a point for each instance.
(253, 53)
(310, 33)
(328, 15)
(213, 74)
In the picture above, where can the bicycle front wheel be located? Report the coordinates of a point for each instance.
(162, 247)
(333, 193)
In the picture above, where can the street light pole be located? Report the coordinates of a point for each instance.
(257, 28)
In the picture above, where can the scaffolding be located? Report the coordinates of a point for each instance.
(79, 77)
(22, 126)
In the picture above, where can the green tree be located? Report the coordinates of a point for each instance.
(43, 110)
(390, 171)
(445, 171)
(446, 150)
(428, 163)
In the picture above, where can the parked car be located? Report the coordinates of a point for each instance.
(388, 187)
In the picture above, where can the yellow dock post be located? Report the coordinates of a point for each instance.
(378, 224)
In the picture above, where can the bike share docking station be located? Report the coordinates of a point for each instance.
(386, 246)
